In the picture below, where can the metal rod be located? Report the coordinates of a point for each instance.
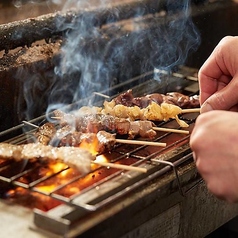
(30, 124)
(175, 172)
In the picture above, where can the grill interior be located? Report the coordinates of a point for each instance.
(45, 186)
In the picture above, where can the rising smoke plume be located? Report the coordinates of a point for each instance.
(99, 51)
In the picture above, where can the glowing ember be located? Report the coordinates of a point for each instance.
(47, 188)
(61, 178)
(12, 192)
(99, 158)
(90, 143)
(57, 167)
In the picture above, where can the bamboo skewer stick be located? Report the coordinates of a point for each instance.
(56, 118)
(191, 110)
(170, 130)
(121, 166)
(140, 142)
(102, 95)
(30, 124)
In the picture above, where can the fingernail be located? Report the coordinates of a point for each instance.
(206, 107)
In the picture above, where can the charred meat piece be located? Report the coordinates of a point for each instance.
(181, 100)
(125, 99)
(122, 126)
(142, 128)
(45, 133)
(106, 139)
(66, 118)
(97, 143)
(89, 123)
(66, 136)
(143, 102)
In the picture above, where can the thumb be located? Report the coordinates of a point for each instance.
(223, 99)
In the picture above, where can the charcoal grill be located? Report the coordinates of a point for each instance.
(112, 184)
(115, 193)
(170, 200)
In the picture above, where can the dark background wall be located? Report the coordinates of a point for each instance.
(213, 22)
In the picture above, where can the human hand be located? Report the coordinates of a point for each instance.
(218, 77)
(214, 141)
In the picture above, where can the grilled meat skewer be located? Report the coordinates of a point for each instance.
(66, 136)
(72, 156)
(75, 157)
(153, 112)
(175, 98)
(152, 107)
(96, 122)
(45, 133)
(96, 143)
(49, 134)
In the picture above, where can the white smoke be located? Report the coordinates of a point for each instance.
(93, 59)
(93, 56)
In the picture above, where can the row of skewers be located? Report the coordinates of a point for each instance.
(124, 115)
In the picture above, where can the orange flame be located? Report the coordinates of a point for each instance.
(54, 168)
(47, 188)
(90, 143)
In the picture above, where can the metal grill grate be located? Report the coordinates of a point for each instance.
(102, 186)
(112, 186)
